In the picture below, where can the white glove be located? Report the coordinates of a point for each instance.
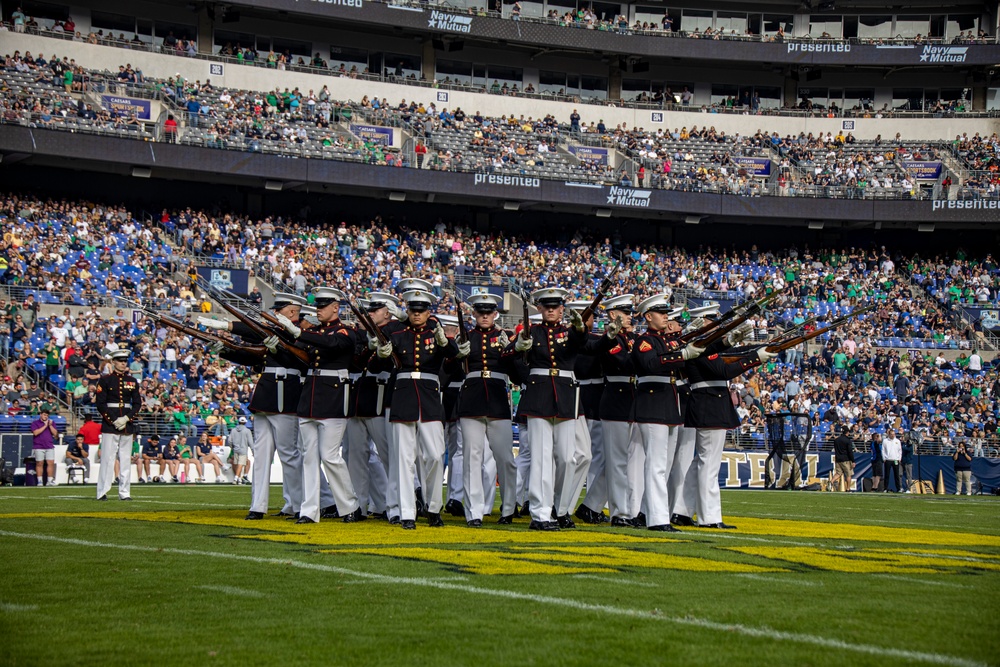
(739, 334)
(289, 325)
(575, 320)
(439, 338)
(210, 323)
(764, 355)
(695, 324)
(271, 343)
(523, 344)
(691, 352)
(215, 347)
(504, 340)
(384, 351)
(614, 327)
(464, 349)
(372, 342)
(120, 422)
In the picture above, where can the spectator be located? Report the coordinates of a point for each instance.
(963, 470)
(187, 457)
(43, 448)
(151, 452)
(843, 456)
(171, 458)
(240, 440)
(207, 455)
(892, 454)
(78, 454)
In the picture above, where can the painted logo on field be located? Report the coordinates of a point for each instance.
(618, 196)
(944, 54)
(449, 22)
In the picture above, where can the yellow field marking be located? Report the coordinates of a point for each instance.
(865, 533)
(476, 562)
(874, 561)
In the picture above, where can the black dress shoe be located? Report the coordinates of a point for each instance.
(304, 519)
(421, 505)
(602, 517)
(506, 520)
(330, 513)
(284, 514)
(355, 516)
(526, 510)
(475, 523)
(681, 520)
(566, 522)
(454, 508)
(663, 528)
(434, 520)
(254, 516)
(104, 497)
(621, 522)
(720, 525)
(408, 524)
(292, 517)
(639, 521)
(394, 521)
(125, 498)
(543, 525)
(379, 515)
(587, 515)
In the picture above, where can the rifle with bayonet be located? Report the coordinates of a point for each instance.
(745, 310)
(195, 333)
(368, 324)
(606, 284)
(285, 339)
(718, 331)
(784, 342)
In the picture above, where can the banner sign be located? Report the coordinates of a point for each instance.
(472, 290)
(126, 106)
(235, 280)
(600, 155)
(929, 171)
(759, 167)
(374, 133)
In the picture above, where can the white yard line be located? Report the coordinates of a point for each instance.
(615, 581)
(778, 580)
(13, 608)
(914, 580)
(232, 590)
(761, 632)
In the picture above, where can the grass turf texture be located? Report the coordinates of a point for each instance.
(177, 577)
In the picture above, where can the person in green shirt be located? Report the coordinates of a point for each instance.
(840, 362)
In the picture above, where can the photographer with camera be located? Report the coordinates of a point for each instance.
(963, 469)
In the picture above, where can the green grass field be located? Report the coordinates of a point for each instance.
(178, 577)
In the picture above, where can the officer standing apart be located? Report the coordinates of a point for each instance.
(711, 412)
(323, 407)
(118, 403)
(659, 356)
(485, 413)
(416, 411)
(274, 403)
(551, 403)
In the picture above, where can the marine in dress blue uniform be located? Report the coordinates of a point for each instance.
(118, 402)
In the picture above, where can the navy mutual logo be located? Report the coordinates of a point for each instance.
(944, 54)
(628, 197)
(449, 22)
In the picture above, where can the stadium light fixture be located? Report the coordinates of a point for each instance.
(816, 224)
(511, 205)
(693, 219)
(925, 227)
(273, 185)
(142, 172)
(603, 213)
(397, 196)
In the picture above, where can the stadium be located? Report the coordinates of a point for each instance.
(199, 198)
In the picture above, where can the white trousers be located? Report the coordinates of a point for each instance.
(570, 485)
(408, 437)
(454, 441)
(367, 473)
(112, 447)
(683, 481)
(552, 443)
(276, 433)
(321, 442)
(636, 474)
(498, 435)
(387, 454)
(597, 480)
(620, 438)
(523, 462)
(708, 457)
(659, 441)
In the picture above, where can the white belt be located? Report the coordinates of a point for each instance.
(279, 371)
(330, 373)
(710, 383)
(487, 375)
(623, 379)
(355, 377)
(661, 379)
(127, 406)
(681, 382)
(455, 385)
(592, 381)
(553, 372)
(419, 376)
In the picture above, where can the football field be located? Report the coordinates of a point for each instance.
(177, 577)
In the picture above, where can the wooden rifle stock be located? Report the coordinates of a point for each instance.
(368, 324)
(602, 290)
(738, 311)
(785, 343)
(203, 336)
(262, 330)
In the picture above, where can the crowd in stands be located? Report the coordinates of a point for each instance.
(854, 377)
